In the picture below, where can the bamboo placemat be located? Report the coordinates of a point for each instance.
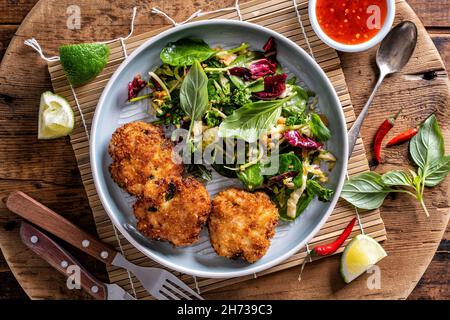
(278, 15)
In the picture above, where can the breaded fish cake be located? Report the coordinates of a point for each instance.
(141, 157)
(241, 224)
(179, 217)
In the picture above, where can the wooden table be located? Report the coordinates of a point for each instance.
(59, 179)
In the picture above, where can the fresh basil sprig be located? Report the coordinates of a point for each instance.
(249, 121)
(194, 95)
(368, 190)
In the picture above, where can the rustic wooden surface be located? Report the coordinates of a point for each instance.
(47, 170)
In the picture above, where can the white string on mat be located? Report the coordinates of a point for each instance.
(308, 252)
(83, 121)
(122, 39)
(123, 253)
(299, 18)
(33, 43)
(198, 13)
(196, 285)
(36, 46)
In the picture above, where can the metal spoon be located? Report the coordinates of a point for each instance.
(394, 52)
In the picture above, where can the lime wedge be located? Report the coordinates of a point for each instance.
(361, 254)
(56, 117)
(83, 62)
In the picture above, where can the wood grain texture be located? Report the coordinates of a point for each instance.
(6, 33)
(432, 13)
(13, 11)
(64, 193)
(3, 265)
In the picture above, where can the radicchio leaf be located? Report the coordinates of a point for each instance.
(135, 86)
(262, 67)
(297, 140)
(241, 72)
(270, 50)
(274, 87)
(281, 177)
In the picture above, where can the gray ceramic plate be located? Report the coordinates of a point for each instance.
(111, 112)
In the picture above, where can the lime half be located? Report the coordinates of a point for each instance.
(56, 117)
(361, 254)
(83, 62)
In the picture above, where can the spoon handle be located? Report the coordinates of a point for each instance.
(354, 131)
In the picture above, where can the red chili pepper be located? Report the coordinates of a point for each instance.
(402, 137)
(331, 248)
(382, 131)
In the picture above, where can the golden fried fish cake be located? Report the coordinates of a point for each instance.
(141, 156)
(177, 219)
(241, 224)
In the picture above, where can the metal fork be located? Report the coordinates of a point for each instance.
(160, 283)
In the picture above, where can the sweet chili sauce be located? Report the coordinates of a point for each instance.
(351, 21)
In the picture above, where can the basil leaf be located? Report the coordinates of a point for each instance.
(185, 51)
(318, 128)
(251, 177)
(437, 172)
(427, 147)
(397, 178)
(249, 121)
(194, 93)
(365, 191)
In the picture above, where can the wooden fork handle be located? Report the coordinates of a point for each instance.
(35, 212)
(62, 261)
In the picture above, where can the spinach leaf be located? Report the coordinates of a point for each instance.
(437, 172)
(318, 128)
(245, 59)
(397, 178)
(302, 204)
(365, 191)
(251, 177)
(185, 51)
(223, 170)
(292, 81)
(248, 122)
(199, 171)
(427, 147)
(315, 189)
(289, 162)
(256, 86)
(237, 82)
(194, 94)
(297, 105)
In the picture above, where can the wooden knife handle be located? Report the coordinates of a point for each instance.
(61, 260)
(38, 214)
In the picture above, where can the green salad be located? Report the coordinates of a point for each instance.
(245, 96)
